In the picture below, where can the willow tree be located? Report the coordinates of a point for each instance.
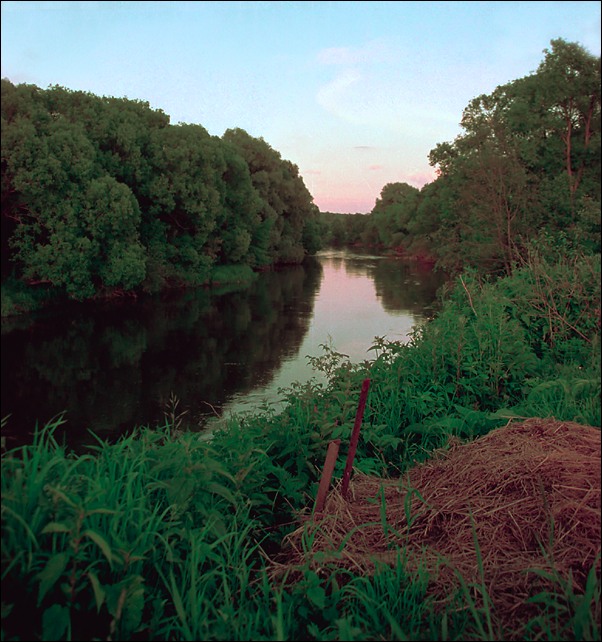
(286, 206)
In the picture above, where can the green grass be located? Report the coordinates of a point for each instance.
(164, 537)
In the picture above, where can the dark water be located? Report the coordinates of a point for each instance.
(108, 367)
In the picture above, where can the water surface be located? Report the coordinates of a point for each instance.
(111, 366)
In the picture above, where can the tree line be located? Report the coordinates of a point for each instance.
(102, 195)
(523, 174)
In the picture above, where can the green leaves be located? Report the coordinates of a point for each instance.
(53, 570)
(55, 622)
(125, 602)
(103, 195)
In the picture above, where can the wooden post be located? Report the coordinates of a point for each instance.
(355, 436)
(331, 458)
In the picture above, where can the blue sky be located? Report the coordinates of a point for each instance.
(356, 94)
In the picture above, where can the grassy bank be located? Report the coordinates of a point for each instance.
(168, 536)
(17, 298)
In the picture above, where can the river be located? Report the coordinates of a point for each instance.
(107, 367)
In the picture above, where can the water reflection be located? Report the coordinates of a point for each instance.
(362, 296)
(113, 366)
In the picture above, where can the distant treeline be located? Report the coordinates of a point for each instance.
(103, 195)
(525, 172)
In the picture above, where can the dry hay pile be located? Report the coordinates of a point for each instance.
(528, 492)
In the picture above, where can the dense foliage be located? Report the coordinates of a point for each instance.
(525, 171)
(104, 195)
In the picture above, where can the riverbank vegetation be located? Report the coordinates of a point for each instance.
(103, 197)
(170, 534)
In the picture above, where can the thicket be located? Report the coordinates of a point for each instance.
(103, 195)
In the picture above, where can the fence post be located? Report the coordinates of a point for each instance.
(331, 458)
(355, 436)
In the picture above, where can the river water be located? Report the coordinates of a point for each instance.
(107, 367)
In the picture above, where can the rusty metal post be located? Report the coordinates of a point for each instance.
(355, 436)
(331, 458)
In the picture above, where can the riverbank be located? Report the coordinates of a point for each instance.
(112, 365)
(167, 536)
(19, 298)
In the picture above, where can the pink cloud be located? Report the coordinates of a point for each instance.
(375, 168)
(345, 204)
(419, 179)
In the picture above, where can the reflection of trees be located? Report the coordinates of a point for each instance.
(401, 286)
(114, 366)
(405, 286)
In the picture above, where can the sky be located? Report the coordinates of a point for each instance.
(356, 94)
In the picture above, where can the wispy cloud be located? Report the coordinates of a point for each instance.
(373, 51)
(375, 168)
(348, 94)
(333, 95)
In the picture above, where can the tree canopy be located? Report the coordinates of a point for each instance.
(524, 172)
(102, 195)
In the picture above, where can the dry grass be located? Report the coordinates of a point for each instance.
(524, 498)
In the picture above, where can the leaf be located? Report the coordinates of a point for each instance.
(102, 511)
(102, 543)
(179, 606)
(61, 495)
(317, 596)
(56, 527)
(55, 622)
(133, 606)
(125, 602)
(51, 573)
(99, 592)
(222, 491)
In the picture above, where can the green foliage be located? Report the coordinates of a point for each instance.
(528, 160)
(394, 213)
(166, 534)
(285, 206)
(486, 357)
(526, 166)
(103, 195)
(17, 298)
(232, 274)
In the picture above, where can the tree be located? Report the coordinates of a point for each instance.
(528, 161)
(285, 203)
(76, 229)
(394, 212)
